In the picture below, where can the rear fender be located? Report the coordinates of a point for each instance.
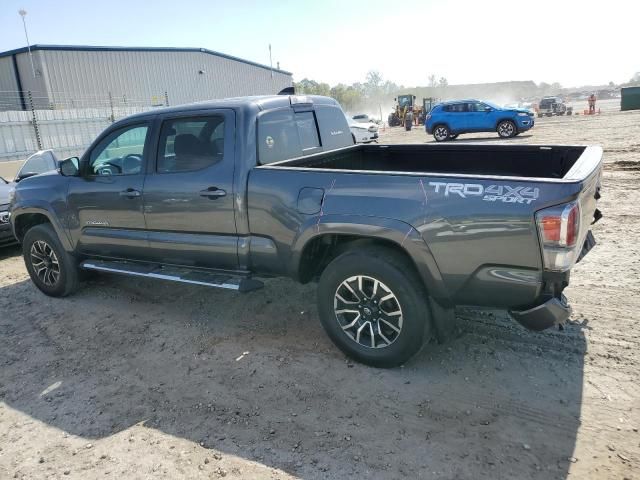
(402, 234)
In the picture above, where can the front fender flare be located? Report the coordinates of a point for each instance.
(402, 234)
(47, 211)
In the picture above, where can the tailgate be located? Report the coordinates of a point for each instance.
(564, 230)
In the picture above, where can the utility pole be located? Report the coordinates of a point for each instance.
(23, 13)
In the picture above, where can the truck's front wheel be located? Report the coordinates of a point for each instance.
(373, 306)
(50, 267)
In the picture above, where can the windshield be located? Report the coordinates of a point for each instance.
(350, 121)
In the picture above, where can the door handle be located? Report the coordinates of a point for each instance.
(213, 192)
(130, 193)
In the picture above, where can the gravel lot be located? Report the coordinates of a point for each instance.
(138, 379)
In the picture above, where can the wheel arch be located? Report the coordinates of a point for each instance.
(502, 119)
(319, 244)
(441, 123)
(22, 219)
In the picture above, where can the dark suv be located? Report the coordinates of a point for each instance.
(6, 234)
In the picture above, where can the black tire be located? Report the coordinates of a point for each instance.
(506, 129)
(39, 242)
(441, 133)
(396, 275)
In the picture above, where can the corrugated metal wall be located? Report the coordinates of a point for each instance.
(9, 98)
(76, 93)
(142, 77)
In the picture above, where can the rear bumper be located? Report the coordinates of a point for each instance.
(555, 311)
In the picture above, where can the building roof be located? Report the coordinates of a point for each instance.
(95, 48)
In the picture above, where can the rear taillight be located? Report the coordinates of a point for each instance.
(559, 229)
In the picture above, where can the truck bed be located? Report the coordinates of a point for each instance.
(472, 205)
(529, 161)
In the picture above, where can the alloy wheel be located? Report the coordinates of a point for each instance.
(45, 263)
(441, 133)
(368, 311)
(506, 129)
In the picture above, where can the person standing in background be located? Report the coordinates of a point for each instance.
(592, 104)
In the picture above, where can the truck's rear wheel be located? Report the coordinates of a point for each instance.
(373, 306)
(50, 267)
(441, 133)
(507, 129)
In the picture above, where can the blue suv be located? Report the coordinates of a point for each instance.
(449, 119)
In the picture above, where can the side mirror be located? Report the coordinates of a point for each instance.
(69, 167)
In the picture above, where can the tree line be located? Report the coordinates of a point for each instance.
(374, 91)
(377, 92)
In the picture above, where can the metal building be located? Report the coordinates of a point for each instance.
(85, 76)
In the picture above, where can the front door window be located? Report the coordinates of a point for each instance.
(120, 153)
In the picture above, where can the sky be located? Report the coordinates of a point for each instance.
(571, 42)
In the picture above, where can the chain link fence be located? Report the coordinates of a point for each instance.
(66, 123)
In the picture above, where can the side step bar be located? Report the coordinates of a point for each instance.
(175, 274)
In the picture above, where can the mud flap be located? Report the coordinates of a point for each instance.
(589, 243)
(443, 321)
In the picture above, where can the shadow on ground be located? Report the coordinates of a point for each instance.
(493, 138)
(254, 376)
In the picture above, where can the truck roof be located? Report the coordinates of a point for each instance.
(261, 102)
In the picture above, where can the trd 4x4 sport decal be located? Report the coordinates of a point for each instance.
(492, 193)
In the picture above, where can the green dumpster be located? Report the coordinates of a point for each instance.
(630, 99)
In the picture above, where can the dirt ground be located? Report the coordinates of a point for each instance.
(138, 379)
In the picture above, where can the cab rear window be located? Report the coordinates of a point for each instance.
(285, 134)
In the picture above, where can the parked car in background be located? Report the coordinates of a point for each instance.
(363, 132)
(362, 118)
(40, 162)
(6, 233)
(449, 119)
(549, 106)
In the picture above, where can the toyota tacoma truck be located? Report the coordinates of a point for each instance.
(223, 193)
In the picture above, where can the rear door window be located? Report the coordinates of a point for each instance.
(456, 108)
(190, 144)
(477, 107)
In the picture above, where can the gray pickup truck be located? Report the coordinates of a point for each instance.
(219, 193)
